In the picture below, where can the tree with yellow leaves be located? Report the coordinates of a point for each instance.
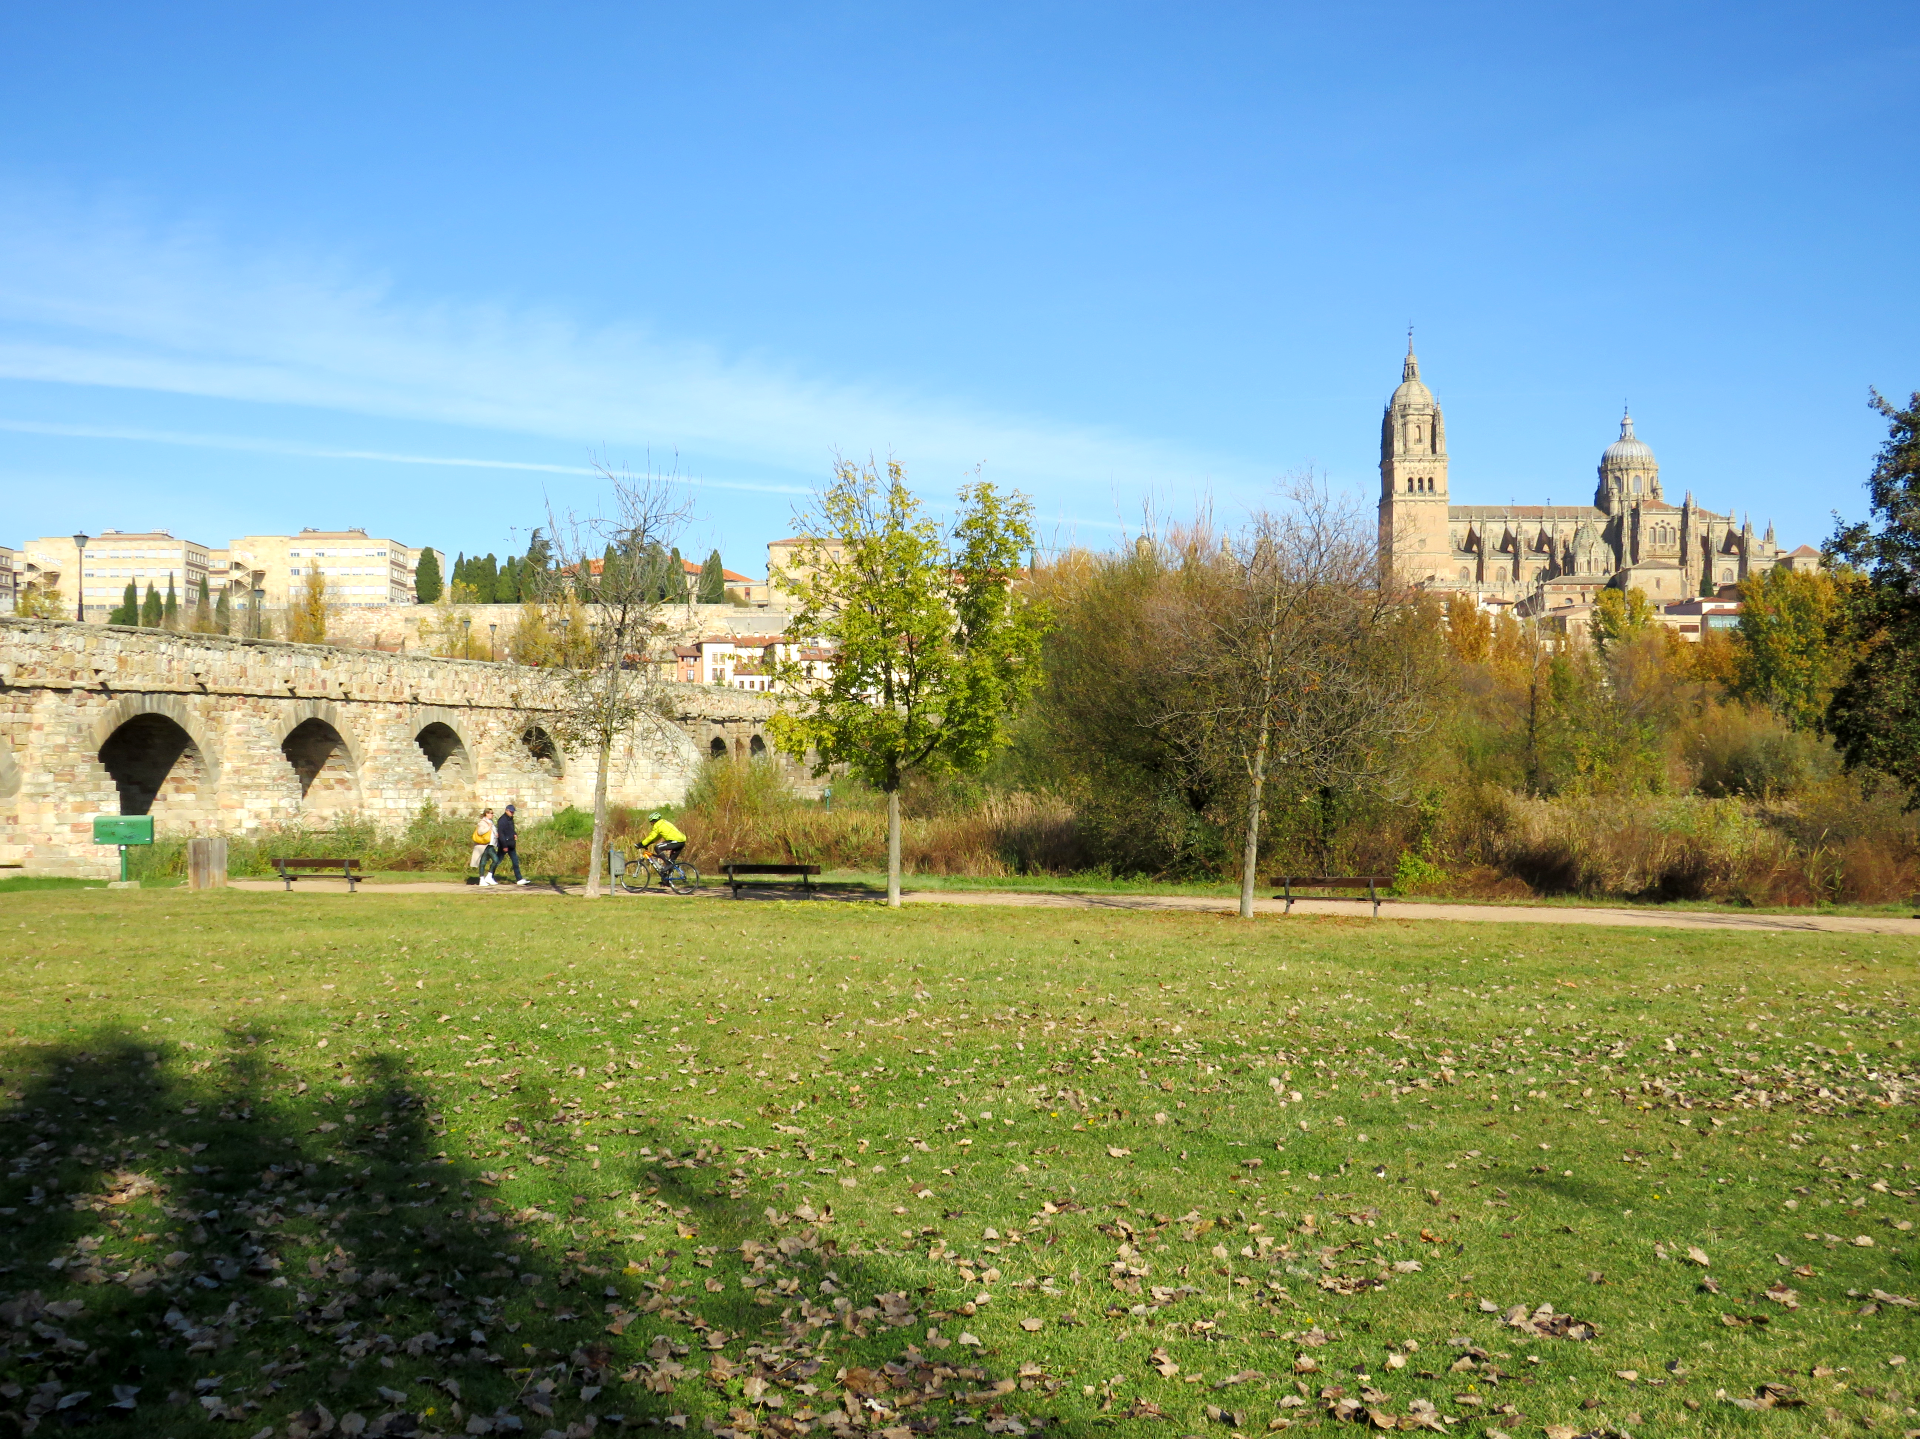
(307, 615)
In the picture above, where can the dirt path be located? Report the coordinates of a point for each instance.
(1208, 904)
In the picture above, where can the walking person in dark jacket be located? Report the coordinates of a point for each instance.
(506, 846)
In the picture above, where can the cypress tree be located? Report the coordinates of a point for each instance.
(427, 583)
(170, 612)
(128, 611)
(203, 609)
(486, 575)
(150, 611)
(539, 554)
(223, 615)
(713, 581)
(676, 577)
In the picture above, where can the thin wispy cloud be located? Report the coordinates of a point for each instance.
(253, 445)
(95, 302)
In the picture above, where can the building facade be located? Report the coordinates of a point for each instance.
(114, 560)
(1539, 558)
(360, 569)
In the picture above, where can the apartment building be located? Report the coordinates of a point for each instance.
(360, 569)
(743, 662)
(9, 582)
(113, 559)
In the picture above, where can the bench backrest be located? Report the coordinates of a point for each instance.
(303, 863)
(1330, 882)
(762, 868)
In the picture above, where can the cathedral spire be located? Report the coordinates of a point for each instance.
(1410, 367)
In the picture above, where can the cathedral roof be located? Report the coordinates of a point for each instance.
(1525, 512)
(1411, 392)
(1629, 449)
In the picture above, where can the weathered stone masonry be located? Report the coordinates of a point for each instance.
(212, 735)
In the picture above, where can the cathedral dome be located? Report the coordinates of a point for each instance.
(1629, 450)
(1412, 394)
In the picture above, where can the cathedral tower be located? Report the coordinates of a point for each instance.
(1413, 479)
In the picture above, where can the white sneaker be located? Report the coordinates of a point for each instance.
(488, 880)
(523, 882)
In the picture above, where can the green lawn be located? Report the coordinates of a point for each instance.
(305, 1164)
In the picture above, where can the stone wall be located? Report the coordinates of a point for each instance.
(212, 735)
(415, 627)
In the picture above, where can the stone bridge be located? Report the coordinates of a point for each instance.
(213, 735)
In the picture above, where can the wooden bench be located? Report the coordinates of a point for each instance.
(1372, 884)
(347, 868)
(737, 868)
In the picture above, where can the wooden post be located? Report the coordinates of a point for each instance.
(207, 863)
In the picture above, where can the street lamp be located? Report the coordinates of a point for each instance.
(466, 637)
(80, 577)
(259, 599)
(491, 627)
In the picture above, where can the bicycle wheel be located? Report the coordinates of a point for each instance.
(636, 878)
(684, 878)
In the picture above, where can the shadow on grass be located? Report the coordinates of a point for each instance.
(251, 1240)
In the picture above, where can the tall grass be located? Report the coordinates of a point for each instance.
(749, 811)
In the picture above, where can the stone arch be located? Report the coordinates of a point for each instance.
(757, 748)
(542, 750)
(171, 707)
(446, 751)
(153, 748)
(325, 762)
(717, 748)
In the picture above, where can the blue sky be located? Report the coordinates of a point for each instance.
(413, 267)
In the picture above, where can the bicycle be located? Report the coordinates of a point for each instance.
(638, 875)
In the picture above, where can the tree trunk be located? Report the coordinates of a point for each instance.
(893, 848)
(1250, 856)
(599, 819)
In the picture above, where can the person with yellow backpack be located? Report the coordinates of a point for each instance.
(482, 844)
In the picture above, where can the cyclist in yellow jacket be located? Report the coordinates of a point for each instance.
(664, 837)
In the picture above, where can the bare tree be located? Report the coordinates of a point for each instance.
(1296, 659)
(611, 579)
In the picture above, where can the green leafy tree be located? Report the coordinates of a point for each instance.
(935, 642)
(203, 608)
(539, 557)
(1620, 615)
(427, 581)
(223, 615)
(127, 612)
(1790, 657)
(1875, 712)
(170, 611)
(713, 582)
(152, 611)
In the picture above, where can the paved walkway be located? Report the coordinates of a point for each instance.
(1209, 904)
